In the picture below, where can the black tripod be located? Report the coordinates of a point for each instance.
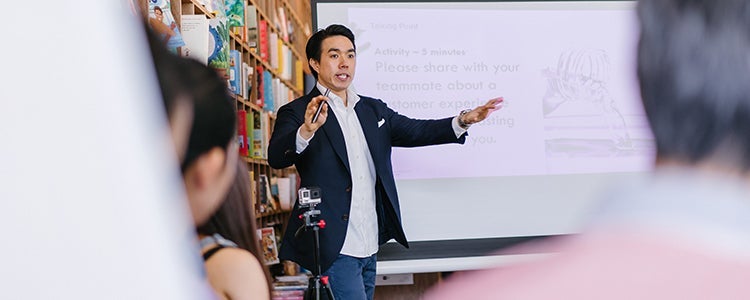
(318, 287)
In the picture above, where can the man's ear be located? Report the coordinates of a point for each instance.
(207, 167)
(314, 64)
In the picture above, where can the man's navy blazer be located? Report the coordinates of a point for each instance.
(324, 163)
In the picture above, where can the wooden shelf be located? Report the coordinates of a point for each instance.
(200, 7)
(259, 161)
(273, 213)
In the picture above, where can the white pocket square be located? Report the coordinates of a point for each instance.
(381, 122)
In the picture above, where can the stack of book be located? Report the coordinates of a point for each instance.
(290, 287)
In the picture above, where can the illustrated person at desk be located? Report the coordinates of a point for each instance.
(346, 152)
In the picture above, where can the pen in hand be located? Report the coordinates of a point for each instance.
(320, 106)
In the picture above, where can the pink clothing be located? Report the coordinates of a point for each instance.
(609, 266)
(674, 237)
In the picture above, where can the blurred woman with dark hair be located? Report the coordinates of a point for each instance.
(230, 246)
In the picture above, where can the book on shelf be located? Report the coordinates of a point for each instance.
(290, 27)
(253, 191)
(235, 72)
(283, 24)
(235, 11)
(266, 202)
(299, 74)
(218, 44)
(260, 100)
(257, 145)
(163, 23)
(286, 64)
(249, 133)
(267, 237)
(262, 196)
(247, 81)
(273, 50)
(195, 34)
(268, 96)
(283, 186)
(265, 132)
(251, 26)
(263, 32)
(290, 287)
(242, 132)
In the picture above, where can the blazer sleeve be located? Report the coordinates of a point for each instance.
(282, 149)
(408, 132)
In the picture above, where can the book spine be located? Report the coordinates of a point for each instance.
(242, 132)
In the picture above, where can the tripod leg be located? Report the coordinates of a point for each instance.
(317, 290)
(329, 292)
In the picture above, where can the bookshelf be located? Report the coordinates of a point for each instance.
(262, 51)
(266, 70)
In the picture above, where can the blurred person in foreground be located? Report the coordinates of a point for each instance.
(230, 247)
(683, 232)
(202, 119)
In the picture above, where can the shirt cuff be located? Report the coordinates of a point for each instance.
(457, 129)
(302, 142)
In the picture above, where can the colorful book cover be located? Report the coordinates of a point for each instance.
(257, 135)
(265, 132)
(250, 128)
(242, 132)
(265, 197)
(218, 44)
(160, 20)
(235, 11)
(267, 237)
(268, 96)
(195, 34)
(248, 80)
(263, 39)
(260, 101)
(235, 63)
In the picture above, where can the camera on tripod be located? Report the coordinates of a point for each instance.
(309, 196)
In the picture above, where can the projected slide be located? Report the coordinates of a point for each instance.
(571, 97)
(571, 127)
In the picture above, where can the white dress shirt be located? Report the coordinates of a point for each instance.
(362, 230)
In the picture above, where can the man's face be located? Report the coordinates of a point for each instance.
(337, 63)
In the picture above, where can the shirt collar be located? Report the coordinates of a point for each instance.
(336, 101)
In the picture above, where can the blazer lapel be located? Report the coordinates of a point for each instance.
(336, 138)
(368, 121)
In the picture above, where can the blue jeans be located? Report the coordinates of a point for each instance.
(352, 278)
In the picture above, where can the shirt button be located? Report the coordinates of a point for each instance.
(345, 217)
(348, 188)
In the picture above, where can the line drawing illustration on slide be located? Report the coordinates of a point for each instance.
(581, 116)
